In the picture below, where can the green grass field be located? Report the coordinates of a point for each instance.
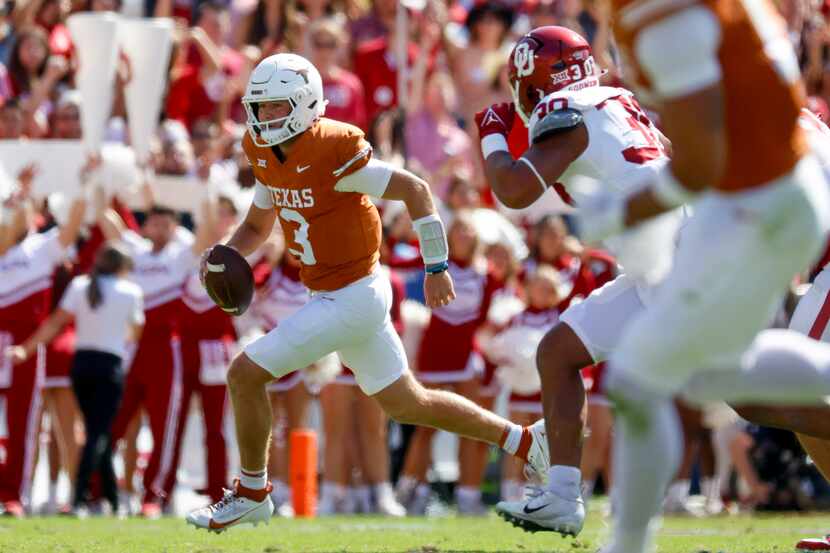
(740, 534)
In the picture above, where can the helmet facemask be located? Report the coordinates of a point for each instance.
(288, 78)
(277, 131)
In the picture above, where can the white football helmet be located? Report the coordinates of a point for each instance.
(283, 77)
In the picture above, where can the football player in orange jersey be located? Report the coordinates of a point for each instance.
(316, 175)
(760, 202)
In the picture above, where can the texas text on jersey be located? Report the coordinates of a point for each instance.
(336, 235)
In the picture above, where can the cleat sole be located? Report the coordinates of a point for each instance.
(532, 527)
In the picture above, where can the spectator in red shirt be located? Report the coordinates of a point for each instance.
(48, 15)
(203, 67)
(376, 65)
(341, 88)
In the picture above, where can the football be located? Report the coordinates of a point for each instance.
(229, 280)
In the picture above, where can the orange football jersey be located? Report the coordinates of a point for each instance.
(336, 235)
(762, 101)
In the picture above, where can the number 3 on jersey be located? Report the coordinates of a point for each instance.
(306, 255)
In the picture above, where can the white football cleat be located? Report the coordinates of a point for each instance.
(386, 503)
(239, 506)
(545, 511)
(538, 456)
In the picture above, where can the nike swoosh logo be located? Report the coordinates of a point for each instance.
(218, 525)
(301, 169)
(531, 511)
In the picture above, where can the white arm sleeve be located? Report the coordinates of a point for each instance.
(371, 179)
(262, 197)
(676, 65)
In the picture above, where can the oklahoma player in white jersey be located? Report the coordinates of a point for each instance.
(578, 129)
(316, 176)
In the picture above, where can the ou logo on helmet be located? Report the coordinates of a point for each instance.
(523, 60)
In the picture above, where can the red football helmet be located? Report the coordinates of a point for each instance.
(548, 59)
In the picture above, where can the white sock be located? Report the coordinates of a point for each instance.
(782, 366)
(565, 480)
(467, 494)
(513, 439)
(678, 491)
(647, 451)
(253, 479)
(383, 489)
(710, 488)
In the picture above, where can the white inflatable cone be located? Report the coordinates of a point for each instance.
(94, 37)
(147, 44)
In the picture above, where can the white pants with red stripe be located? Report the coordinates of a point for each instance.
(812, 315)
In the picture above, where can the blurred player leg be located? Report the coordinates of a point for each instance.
(63, 412)
(54, 471)
(335, 401)
(189, 383)
(677, 495)
(468, 489)
(669, 346)
(480, 456)
(126, 427)
(164, 409)
(129, 497)
(371, 430)
(23, 405)
(413, 490)
(289, 403)
(597, 448)
(214, 404)
(296, 401)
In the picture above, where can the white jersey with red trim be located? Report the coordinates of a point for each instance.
(26, 268)
(161, 275)
(624, 152)
(25, 282)
(624, 146)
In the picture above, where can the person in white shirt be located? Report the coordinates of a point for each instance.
(108, 311)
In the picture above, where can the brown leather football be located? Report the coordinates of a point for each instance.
(229, 280)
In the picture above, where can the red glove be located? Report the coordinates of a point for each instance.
(497, 119)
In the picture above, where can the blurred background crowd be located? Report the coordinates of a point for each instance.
(411, 74)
